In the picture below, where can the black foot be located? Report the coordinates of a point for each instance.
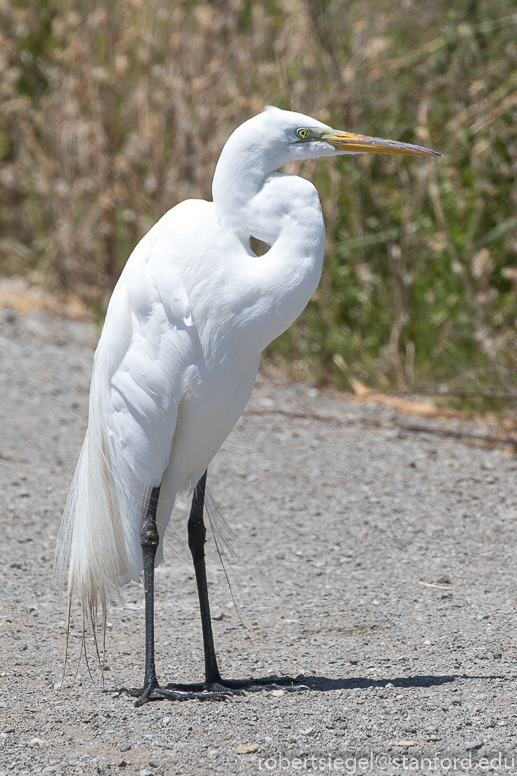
(217, 691)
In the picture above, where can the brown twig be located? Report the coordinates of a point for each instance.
(452, 394)
(489, 440)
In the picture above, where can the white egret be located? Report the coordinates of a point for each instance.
(178, 357)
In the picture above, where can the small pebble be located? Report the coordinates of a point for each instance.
(243, 749)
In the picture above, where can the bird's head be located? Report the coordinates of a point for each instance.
(302, 137)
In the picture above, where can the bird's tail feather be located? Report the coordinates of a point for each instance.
(91, 539)
(94, 542)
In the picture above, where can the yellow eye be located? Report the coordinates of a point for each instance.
(302, 133)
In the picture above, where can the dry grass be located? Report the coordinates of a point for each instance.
(112, 112)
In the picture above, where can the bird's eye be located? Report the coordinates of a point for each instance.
(302, 133)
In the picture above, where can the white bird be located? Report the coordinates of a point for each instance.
(178, 356)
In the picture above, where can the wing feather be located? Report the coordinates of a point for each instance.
(146, 350)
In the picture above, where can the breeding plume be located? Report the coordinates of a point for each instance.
(178, 357)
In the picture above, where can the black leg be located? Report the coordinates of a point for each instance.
(196, 543)
(149, 540)
(213, 688)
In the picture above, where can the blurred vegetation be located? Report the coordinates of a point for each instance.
(112, 112)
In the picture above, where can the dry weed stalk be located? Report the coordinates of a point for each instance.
(113, 112)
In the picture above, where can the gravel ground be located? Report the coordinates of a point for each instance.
(375, 560)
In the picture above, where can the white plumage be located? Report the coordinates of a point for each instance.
(180, 348)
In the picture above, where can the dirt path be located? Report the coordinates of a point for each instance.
(377, 562)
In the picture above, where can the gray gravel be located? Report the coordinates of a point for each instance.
(375, 560)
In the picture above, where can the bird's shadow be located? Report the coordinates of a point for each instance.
(325, 684)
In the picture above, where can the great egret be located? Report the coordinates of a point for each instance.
(178, 357)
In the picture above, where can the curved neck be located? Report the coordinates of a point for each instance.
(238, 178)
(251, 199)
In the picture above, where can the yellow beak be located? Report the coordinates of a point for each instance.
(362, 144)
